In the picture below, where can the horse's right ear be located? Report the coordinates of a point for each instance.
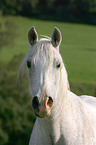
(32, 36)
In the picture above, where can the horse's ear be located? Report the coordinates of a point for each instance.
(56, 37)
(32, 36)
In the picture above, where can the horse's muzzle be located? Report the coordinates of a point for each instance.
(42, 108)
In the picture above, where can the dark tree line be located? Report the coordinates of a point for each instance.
(55, 9)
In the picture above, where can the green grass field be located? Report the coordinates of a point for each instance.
(78, 47)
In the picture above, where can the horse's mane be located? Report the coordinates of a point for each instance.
(45, 37)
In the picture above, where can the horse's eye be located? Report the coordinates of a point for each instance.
(58, 65)
(28, 63)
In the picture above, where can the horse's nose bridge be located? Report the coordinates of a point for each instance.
(45, 78)
(42, 83)
(42, 77)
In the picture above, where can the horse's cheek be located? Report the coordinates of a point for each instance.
(57, 78)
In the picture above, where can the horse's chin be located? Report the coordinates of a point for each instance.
(42, 115)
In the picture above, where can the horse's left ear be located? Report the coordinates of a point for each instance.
(56, 37)
(32, 36)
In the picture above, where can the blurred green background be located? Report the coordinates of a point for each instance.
(76, 21)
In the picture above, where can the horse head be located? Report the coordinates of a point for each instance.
(44, 64)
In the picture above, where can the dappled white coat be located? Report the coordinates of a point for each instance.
(73, 119)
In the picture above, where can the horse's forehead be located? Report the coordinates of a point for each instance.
(44, 52)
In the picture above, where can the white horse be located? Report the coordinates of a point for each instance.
(63, 118)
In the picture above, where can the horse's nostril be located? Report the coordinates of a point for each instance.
(35, 102)
(50, 102)
(50, 99)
